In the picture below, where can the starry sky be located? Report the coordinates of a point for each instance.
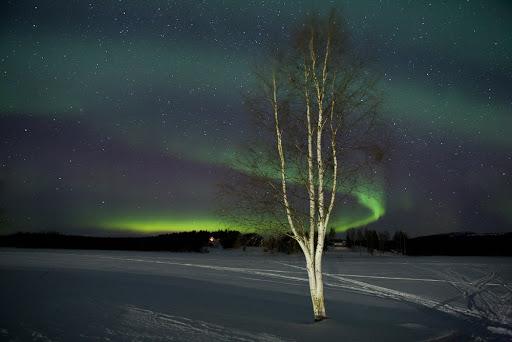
(123, 116)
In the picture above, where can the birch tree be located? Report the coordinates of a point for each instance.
(315, 108)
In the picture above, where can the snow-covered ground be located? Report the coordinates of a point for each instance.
(72, 295)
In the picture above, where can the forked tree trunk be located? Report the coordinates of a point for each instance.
(316, 289)
(316, 286)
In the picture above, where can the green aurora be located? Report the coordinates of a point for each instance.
(177, 93)
(164, 225)
(370, 201)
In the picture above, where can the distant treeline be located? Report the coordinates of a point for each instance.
(452, 244)
(199, 241)
(195, 241)
(461, 244)
(372, 240)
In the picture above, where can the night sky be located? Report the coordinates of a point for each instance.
(124, 116)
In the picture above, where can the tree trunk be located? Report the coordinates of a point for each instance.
(316, 288)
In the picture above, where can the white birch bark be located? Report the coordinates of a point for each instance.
(314, 90)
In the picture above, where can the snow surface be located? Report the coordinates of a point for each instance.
(74, 295)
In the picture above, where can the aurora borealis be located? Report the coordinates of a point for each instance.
(123, 116)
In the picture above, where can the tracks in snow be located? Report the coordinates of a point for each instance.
(487, 298)
(158, 326)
